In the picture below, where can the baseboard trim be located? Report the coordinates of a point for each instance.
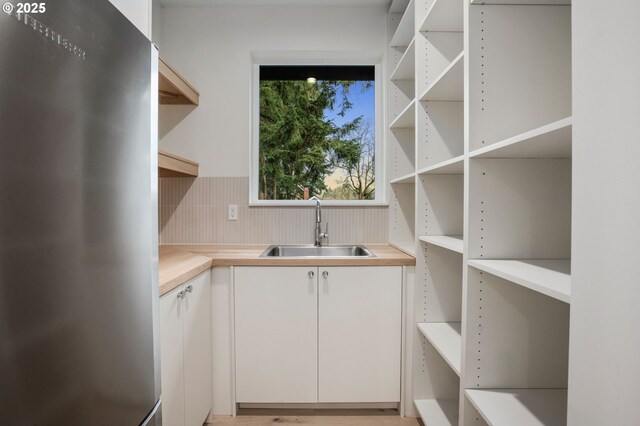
(324, 406)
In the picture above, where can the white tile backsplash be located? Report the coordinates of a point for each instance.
(195, 210)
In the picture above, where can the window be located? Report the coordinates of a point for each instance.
(315, 134)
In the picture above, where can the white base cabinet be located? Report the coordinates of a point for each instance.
(276, 334)
(309, 334)
(185, 350)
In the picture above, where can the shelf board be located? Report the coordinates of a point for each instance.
(406, 69)
(550, 141)
(407, 118)
(170, 165)
(437, 412)
(446, 339)
(449, 86)
(408, 178)
(173, 88)
(398, 6)
(524, 2)
(444, 15)
(522, 407)
(551, 277)
(404, 247)
(405, 31)
(453, 242)
(453, 166)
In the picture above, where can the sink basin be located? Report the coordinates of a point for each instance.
(313, 251)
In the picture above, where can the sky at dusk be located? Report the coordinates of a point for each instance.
(363, 101)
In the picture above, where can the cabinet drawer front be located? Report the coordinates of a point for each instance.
(276, 334)
(360, 334)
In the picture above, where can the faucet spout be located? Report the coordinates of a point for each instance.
(318, 212)
(319, 235)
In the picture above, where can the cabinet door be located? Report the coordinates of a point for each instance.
(198, 360)
(360, 320)
(276, 334)
(171, 356)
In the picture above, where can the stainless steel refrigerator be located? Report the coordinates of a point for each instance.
(78, 218)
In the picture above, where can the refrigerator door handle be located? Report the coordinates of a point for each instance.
(152, 415)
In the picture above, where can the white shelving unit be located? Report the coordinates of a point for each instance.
(439, 412)
(449, 86)
(522, 2)
(443, 15)
(454, 166)
(480, 132)
(430, 124)
(551, 277)
(407, 66)
(445, 338)
(406, 28)
(398, 6)
(408, 178)
(522, 407)
(453, 243)
(401, 118)
(549, 141)
(406, 118)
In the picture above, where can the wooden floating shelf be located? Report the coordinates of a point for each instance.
(453, 243)
(522, 407)
(170, 165)
(173, 88)
(446, 339)
(550, 277)
(436, 412)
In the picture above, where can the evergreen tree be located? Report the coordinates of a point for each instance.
(299, 148)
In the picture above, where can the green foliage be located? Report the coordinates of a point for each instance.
(299, 148)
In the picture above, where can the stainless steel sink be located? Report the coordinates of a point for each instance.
(313, 251)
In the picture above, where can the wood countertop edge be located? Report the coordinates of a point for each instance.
(176, 266)
(326, 261)
(179, 263)
(175, 282)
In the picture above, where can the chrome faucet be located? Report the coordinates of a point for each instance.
(319, 234)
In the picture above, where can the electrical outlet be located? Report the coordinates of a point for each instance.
(233, 212)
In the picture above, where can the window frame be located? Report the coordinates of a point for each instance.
(317, 58)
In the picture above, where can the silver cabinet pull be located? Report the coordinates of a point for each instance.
(311, 274)
(181, 294)
(325, 274)
(189, 289)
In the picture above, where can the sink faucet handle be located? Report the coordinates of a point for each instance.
(325, 235)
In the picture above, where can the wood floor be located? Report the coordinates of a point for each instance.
(316, 417)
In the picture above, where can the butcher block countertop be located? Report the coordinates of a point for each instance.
(179, 263)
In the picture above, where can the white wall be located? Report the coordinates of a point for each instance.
(211, 47)
(138, 12)
(156, 23)
(604, 371)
